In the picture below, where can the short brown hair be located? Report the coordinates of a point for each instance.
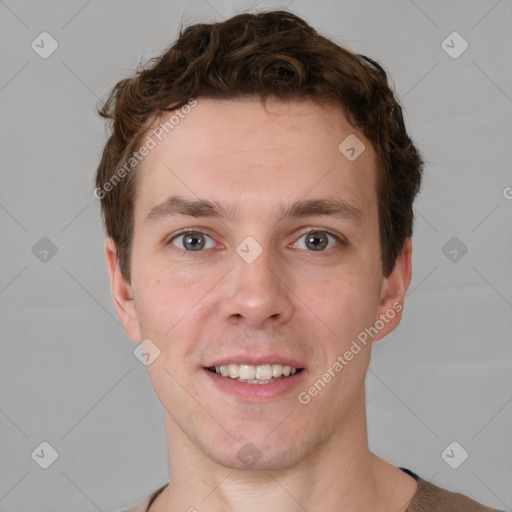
(265, 55)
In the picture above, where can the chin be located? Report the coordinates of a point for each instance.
(259, 452)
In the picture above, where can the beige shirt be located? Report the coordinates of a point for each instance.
(428, 498)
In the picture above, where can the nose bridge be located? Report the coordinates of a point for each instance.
(256, 293)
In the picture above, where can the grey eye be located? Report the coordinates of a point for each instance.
(316, 240)
(192, 241)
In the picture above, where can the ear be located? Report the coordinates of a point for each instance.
(121, 293)
(393, 291)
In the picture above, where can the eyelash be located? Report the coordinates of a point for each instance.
(338, 238)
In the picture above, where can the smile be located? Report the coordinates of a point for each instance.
(255, 374)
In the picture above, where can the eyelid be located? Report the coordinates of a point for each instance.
(313, 229)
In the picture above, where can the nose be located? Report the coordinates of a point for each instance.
(257, 294)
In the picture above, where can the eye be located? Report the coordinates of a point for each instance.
(317, 240)
(192, 241)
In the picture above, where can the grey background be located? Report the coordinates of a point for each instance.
(68, 375)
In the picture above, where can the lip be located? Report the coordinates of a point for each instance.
(255, 392)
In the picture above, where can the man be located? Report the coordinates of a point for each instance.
(257, 193)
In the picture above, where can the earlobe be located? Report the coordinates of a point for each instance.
(121, 293)
(393, 291)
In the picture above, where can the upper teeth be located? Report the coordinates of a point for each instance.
(250, 372)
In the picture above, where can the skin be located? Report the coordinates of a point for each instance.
(201, 306)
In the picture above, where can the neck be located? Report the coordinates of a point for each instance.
(339, 474)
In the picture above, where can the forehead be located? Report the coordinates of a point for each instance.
(239, 151)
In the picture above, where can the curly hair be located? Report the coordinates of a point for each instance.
(273, 54)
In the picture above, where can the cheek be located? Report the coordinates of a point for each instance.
(159, 300)
(346, 302)
(166, 299)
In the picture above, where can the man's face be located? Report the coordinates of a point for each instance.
(253, 286)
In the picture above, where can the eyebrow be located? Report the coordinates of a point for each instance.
(177, 205)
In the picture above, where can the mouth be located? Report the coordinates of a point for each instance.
(266, 373)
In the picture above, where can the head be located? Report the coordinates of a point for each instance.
(239, 226)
